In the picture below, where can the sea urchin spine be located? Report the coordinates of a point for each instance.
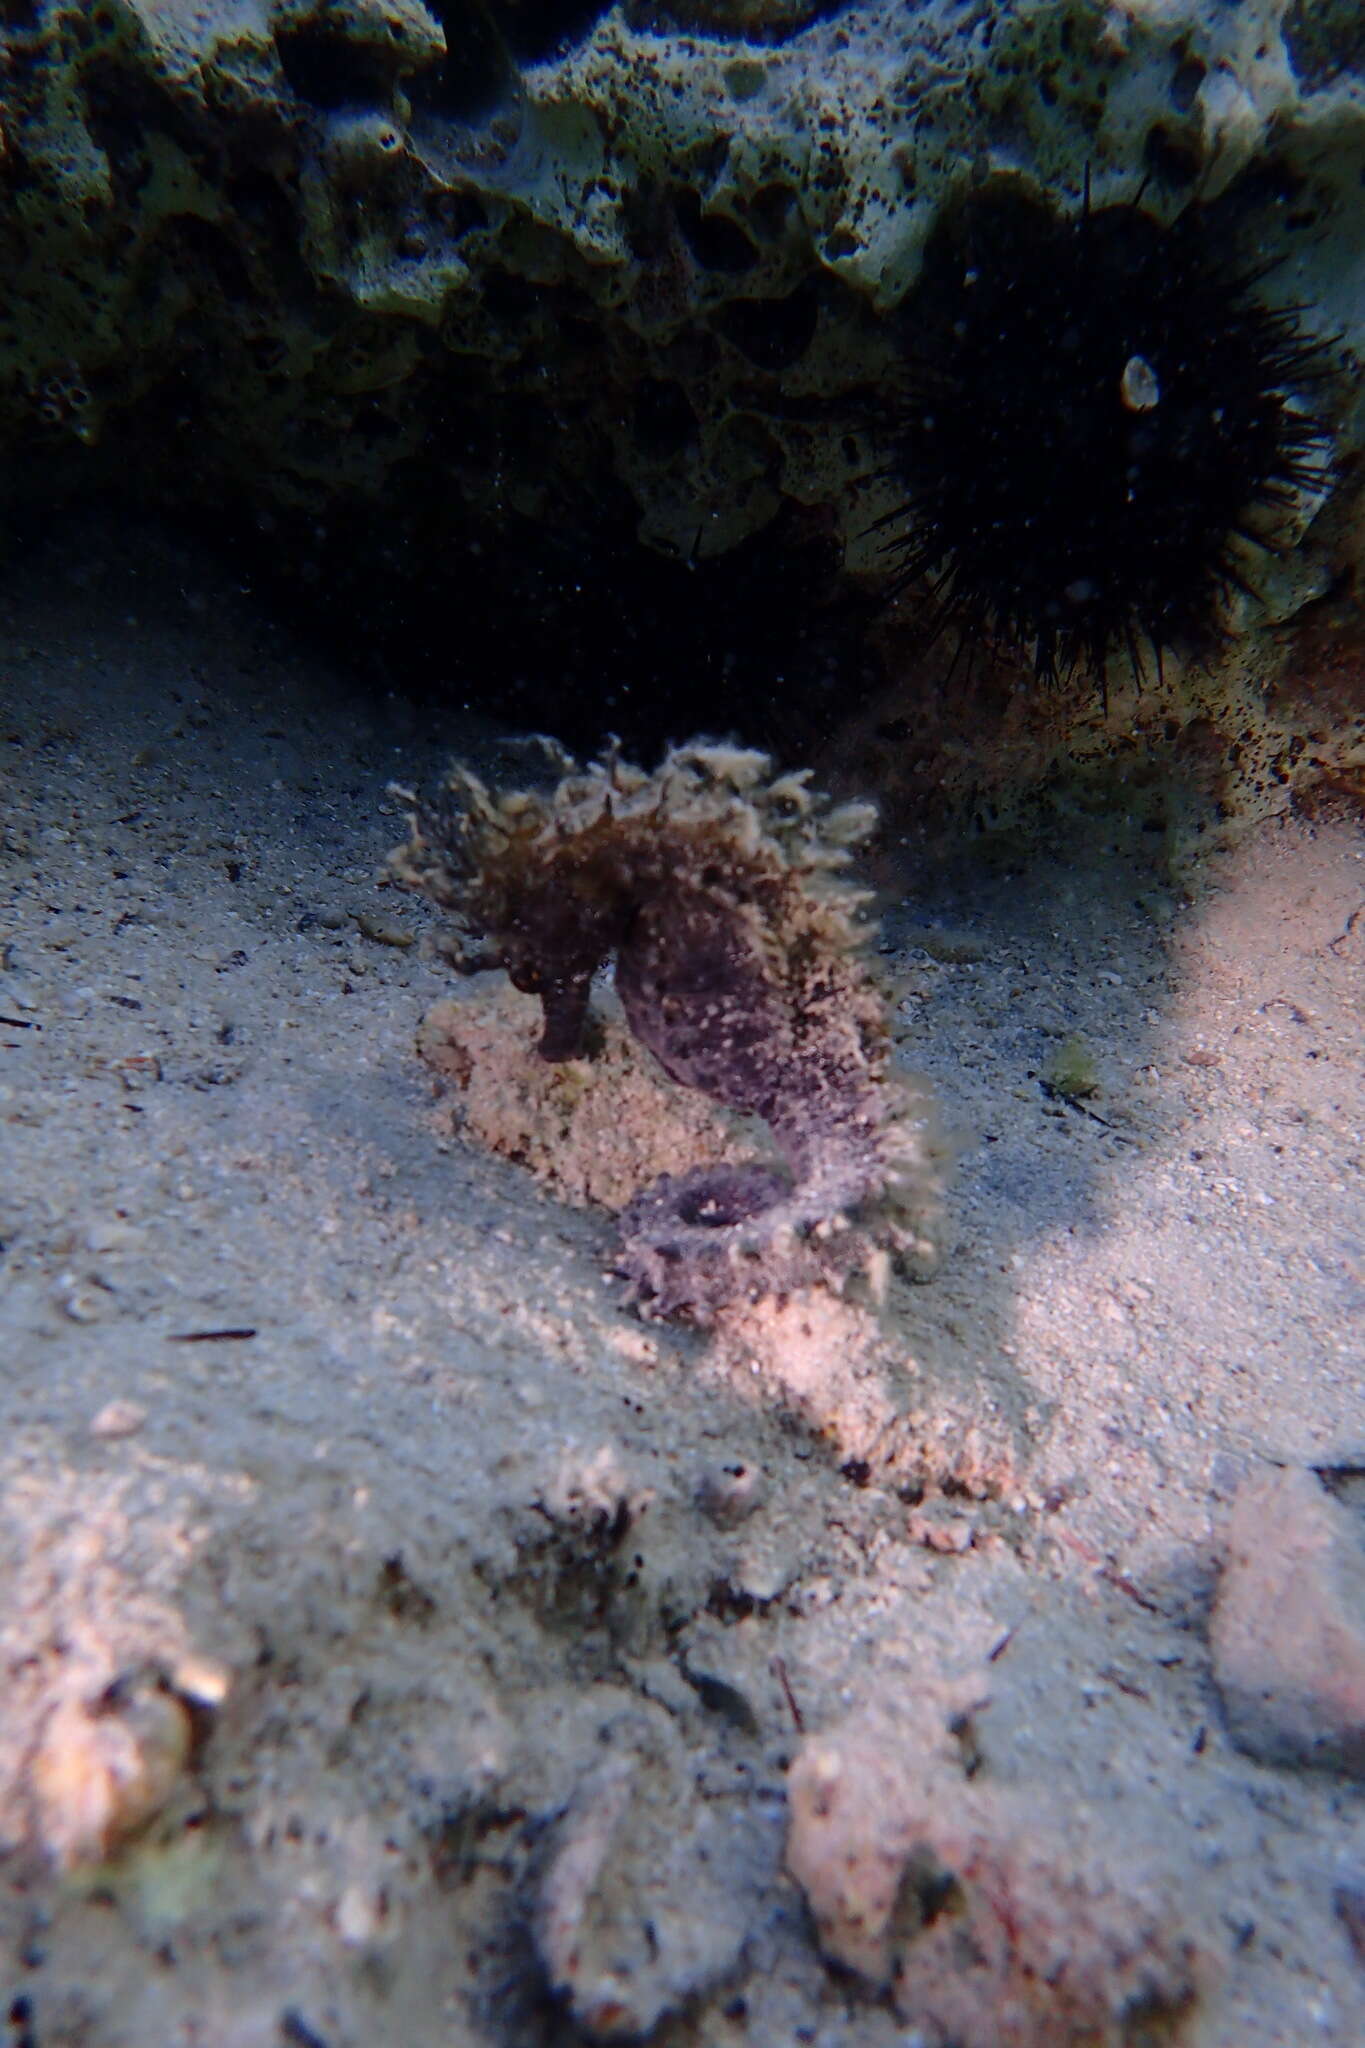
(1099, 421)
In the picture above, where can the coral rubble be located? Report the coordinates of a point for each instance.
(716, 887)
(994, 1915)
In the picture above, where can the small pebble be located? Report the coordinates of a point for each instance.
(357, 1916)
(82, 1299)
(201, 1680)
(952, 1536)
(114, 1234)
(729, 1494)
(138, 1070)
(382, 932)
(118, 1418)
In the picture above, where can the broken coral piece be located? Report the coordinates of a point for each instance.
(993, 1915)
(651, 1886)
(106, 1766)
(716, 887)
(1288, 1625)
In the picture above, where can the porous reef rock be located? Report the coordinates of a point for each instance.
(995, 1916)
(378, 249)
(420, 291)
(715, 887)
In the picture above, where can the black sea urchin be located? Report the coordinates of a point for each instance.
(1098, 420)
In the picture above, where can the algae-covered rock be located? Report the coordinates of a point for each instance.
(411, 288)
(380, 212)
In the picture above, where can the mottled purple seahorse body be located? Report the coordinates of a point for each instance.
(717, 889)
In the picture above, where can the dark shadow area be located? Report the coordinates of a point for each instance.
(578, 630)
(777, 22)
(587, 632)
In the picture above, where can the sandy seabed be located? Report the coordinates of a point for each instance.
(402, 1642)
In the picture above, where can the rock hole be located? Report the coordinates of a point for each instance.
(329, 70)
(772, 333)
(716, 242)
(477, 74)
(537, 30)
